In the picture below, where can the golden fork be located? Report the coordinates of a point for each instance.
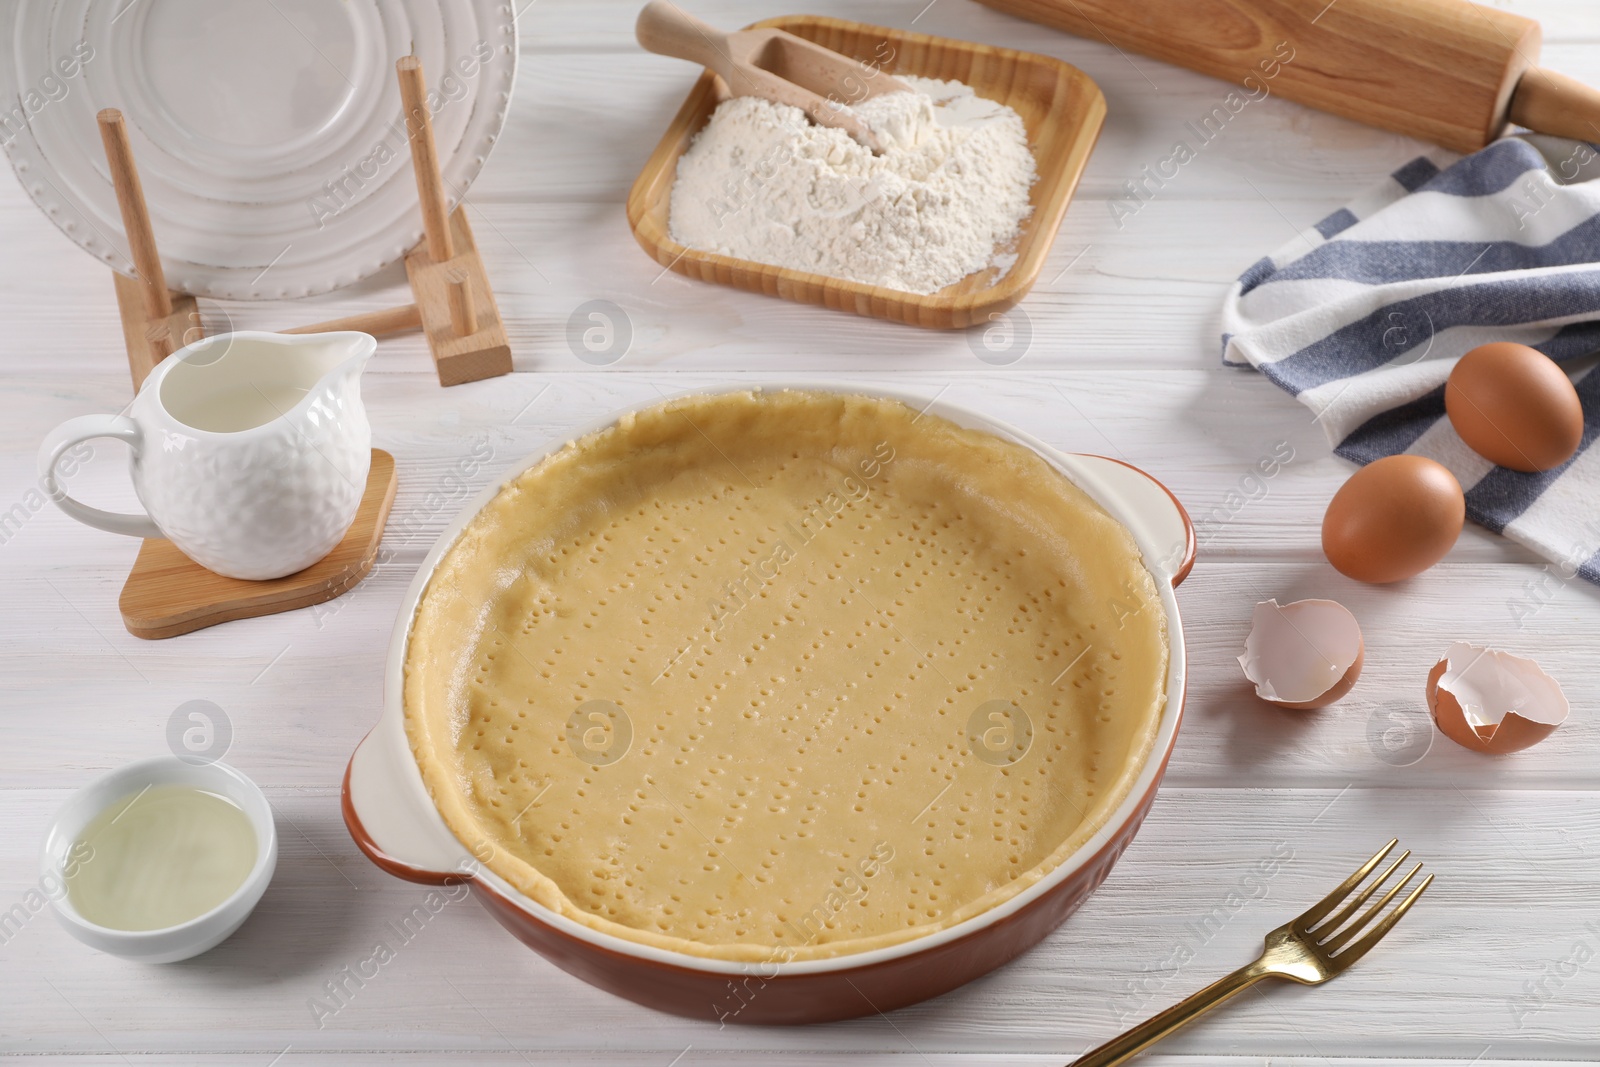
(1309, 949)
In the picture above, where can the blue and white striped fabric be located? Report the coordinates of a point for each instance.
(1362, 316)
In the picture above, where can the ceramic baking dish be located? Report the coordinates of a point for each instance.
(1059, 104)
(393, 820)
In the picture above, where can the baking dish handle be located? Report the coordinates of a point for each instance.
(391, 819)
(1151, 511)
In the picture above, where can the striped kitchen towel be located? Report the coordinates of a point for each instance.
(1362, 316)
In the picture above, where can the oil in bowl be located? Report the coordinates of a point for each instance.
(161, 856)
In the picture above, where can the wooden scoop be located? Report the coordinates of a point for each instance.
(772, 64)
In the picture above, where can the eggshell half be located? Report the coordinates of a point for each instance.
(1493, 702)
(1303, 655)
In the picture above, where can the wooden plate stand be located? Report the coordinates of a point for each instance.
(167, 593)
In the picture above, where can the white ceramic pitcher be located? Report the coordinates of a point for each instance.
(249, 450)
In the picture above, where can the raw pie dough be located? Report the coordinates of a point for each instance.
(784, 675)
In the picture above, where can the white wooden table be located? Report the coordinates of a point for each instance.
(1500, 963)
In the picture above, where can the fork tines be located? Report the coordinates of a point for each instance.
(1344, 939)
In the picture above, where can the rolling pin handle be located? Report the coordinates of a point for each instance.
(1547, 102)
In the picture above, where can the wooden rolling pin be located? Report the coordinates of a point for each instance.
(1446, 71)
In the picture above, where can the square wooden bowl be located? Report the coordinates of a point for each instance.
(1061, 107)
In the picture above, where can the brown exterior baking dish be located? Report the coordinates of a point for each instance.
(403, 816)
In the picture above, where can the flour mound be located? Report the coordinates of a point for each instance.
(946, 198)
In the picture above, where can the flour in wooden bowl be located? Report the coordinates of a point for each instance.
(947, 196)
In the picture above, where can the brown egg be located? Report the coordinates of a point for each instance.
(1394, 518)
(1514, 406)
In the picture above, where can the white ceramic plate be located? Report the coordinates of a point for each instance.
(268, 133)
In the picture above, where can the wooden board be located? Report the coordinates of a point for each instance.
(169, 594)
(1060, 106)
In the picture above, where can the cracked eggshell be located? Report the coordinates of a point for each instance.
(1493, 702)
(1303, 655)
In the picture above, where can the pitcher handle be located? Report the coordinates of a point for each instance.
(75, 431)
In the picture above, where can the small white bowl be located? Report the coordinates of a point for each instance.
(187, 939)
